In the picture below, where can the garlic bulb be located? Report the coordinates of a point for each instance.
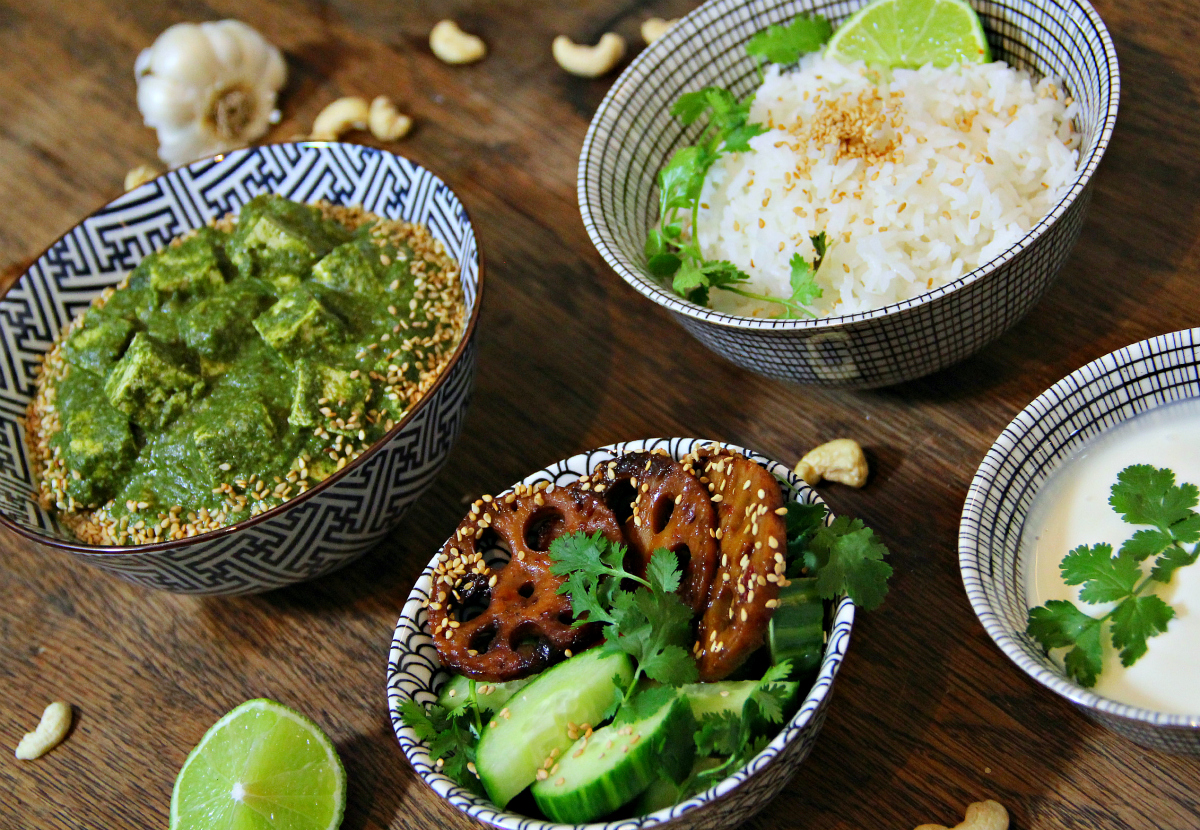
(207, 88)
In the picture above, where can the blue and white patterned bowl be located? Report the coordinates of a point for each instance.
(415, 673)
(1115, 388)
(632, 136)
(340, 518)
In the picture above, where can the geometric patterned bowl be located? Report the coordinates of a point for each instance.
(1075, 410)
(414, 673)
(340, 518)
(632, 136)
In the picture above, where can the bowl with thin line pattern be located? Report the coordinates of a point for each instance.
(632, 135)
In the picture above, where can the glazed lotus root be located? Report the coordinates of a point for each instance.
(508, 622)
(668, 508)
(752, 535)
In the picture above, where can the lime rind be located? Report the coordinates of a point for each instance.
(907, 34)
(288, 771)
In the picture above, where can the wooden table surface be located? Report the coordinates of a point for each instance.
(927, 714)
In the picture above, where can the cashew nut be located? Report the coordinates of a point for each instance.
(386, 122)
(51, 729)
(138, 176)
(982, 815)
(341, 116)
(840, 460)
(656, 27)
(589, 61)
(452, 45)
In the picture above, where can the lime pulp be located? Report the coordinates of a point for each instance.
(907, 34)
(263, 766)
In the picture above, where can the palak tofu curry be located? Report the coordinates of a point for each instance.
(237, 367)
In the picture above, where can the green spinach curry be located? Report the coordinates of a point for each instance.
(237, 367)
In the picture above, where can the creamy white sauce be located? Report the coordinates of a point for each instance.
(1072, 509)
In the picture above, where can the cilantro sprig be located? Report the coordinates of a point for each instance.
(452, 736)
(671, 254)
(650, 623)
(1143, 495)
(733, 736)
(845, 556)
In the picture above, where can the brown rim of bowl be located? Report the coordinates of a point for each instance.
(213, 535)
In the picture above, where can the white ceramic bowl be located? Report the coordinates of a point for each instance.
(414, 673)
(1066, 416)
(632, 136)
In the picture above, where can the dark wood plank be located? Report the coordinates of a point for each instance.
(928, 715)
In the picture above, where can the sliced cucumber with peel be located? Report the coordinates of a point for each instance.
(458, 688)
(533, 723)
(665, 792)
(730, 696)
(797, 630)
(612, 767)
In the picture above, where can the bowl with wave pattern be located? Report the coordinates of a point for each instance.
(414, 673)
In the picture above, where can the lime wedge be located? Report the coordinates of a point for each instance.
(906, 34)
(261, 767)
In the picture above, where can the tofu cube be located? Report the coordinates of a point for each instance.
(235, 430)
(189, 269)
(338, 391)
(216, 327)
(98, 342)
(101, 446)
(151, 384)
(279, 240)
(299, 325)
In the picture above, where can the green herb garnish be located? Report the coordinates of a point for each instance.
(451, 735)
(650, 624)
(808, 32)
(731, 735)
(1143, 495)
(669, 255)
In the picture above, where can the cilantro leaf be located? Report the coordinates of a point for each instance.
(1146, 543)
(645, 703)
(847, 558)
(770, 696)
(651, 623)
(592, 566)
(1136, 620)
(451, 740)
(820, 245)
(1145, 495)
(1105, 578)
(785, 44)
(1174, 557)
(654, 626)
(804, 281)
(802, 520)
(719, 734)
(1059, 624)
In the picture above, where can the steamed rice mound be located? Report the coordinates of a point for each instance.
(916, 180)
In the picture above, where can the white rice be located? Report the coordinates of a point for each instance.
(916, 180)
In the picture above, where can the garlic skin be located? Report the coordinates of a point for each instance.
(208, 88)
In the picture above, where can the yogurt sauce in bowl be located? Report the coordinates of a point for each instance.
(1072, 509)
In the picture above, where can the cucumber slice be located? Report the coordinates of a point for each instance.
(729, 696)
(520, 737)
(664, 792)
(489, 696)
(797, 630)
(599, 774)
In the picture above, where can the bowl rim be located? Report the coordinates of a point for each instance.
(816, 698)
(971, 554)
(593, 221)
(468, 334)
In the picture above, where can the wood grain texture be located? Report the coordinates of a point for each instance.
(927, 715)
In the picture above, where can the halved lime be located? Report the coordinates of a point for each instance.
(906, 34)
(261, 767)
